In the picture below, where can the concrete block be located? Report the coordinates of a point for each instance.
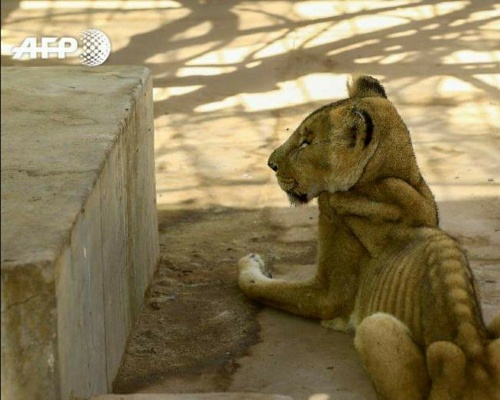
(79, 229)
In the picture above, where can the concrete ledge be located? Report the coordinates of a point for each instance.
(79, 228)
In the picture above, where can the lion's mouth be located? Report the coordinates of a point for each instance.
(297, 198)
(291, 188)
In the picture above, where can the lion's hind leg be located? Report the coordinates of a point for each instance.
(454, 376)
(301, 297)
(394, 361)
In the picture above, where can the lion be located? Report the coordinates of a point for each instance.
(385, 269)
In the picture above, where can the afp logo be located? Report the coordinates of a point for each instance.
(96, 47)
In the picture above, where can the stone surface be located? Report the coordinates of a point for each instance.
(79, 225)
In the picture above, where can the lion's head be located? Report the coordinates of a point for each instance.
(350, 141)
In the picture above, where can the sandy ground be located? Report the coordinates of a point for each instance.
(231, 82)
(199, 334)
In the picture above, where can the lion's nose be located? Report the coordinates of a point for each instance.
(272, 165)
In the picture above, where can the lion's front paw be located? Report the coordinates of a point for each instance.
(255, 264)
(251, 270)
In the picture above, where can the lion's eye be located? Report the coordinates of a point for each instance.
(305, 143)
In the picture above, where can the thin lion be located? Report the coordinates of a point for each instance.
(384, 267)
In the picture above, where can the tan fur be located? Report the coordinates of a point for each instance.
(384, 268)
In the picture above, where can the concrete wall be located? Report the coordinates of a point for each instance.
(79, 229)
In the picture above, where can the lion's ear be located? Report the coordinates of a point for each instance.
(365, 86)
(362, 130)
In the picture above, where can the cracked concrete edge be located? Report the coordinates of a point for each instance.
(69, 300)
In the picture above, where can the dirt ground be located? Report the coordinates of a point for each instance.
(198, 333)
(196, 322)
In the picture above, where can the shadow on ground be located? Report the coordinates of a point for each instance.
(198, 333)
(196, 323)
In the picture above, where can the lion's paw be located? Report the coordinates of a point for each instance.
(255, 264)
(252, 269)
